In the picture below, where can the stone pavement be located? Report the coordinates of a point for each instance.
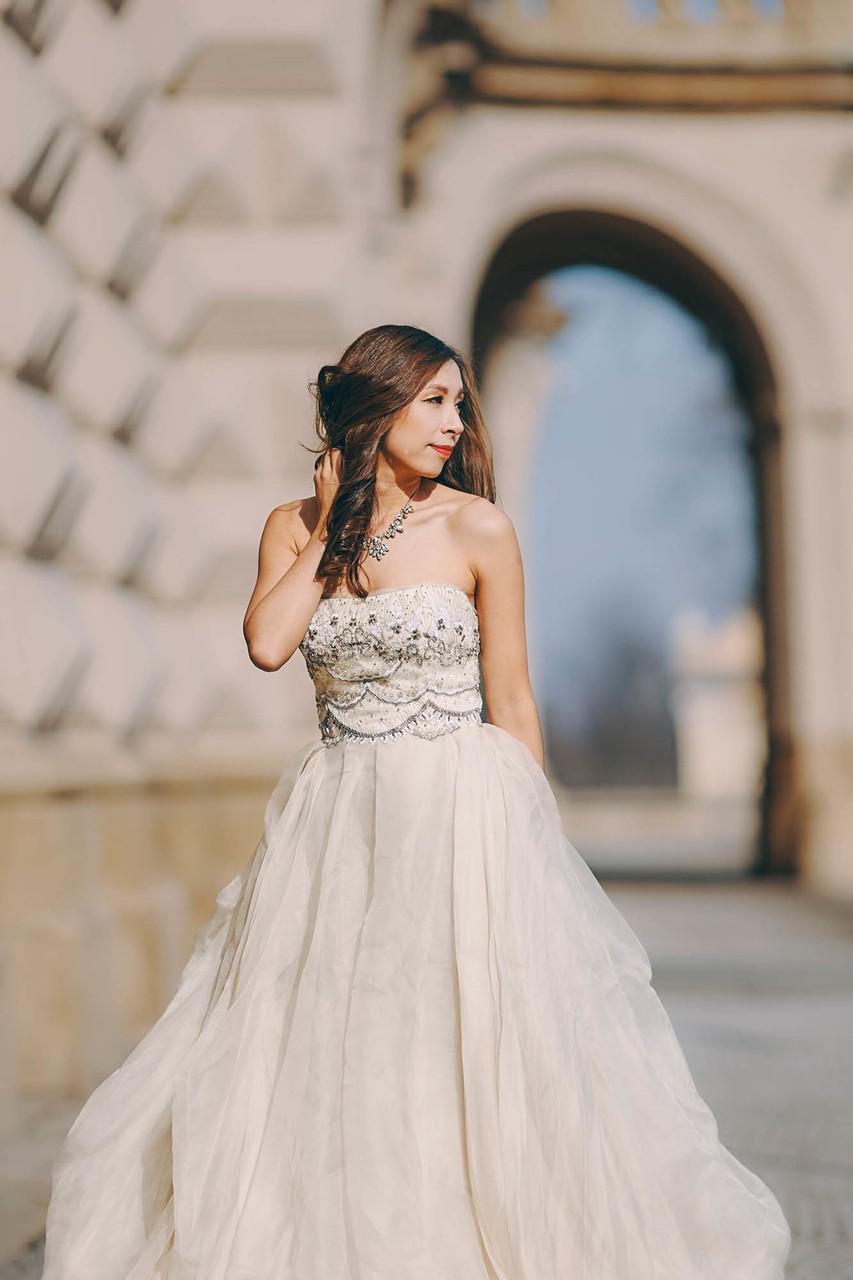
(758, 982)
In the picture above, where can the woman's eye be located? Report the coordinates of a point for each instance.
(439, 399)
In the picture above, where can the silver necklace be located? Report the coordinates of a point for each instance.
(374, 544)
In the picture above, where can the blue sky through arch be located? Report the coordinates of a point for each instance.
(643, 504)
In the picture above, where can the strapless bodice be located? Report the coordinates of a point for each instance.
(400, 660)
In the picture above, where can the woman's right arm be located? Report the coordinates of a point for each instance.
(287, 590)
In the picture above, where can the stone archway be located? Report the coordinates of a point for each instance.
(555, 239)
(758, 199)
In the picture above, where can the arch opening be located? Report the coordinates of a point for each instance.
(513, 319)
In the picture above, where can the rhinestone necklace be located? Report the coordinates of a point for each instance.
(374, 544)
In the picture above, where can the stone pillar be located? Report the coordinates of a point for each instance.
(819, 495)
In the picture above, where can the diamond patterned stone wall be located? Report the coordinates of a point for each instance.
(172, 242)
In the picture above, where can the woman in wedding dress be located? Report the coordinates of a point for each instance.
(415, 1040)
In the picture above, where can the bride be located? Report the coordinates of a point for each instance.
(415, 1040)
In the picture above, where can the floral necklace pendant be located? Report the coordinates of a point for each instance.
(375, 544)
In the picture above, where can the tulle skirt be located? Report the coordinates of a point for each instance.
(415, 1041)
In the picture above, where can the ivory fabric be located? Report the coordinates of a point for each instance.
(415, 1040)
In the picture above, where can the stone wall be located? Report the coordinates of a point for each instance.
(199, 203)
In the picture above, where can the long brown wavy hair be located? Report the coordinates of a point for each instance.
(357, 400)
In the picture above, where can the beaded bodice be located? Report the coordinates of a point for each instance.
(401, 660)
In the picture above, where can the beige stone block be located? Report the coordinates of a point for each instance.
(306, 183)
(98, 212)
(119, 686)
(163, 158)
(38, 289)
(185, 834)
(250, 699)
(59, 1023)
(153, 941)
(45, 866)
(109, 363)
(235, 185)
(239, 823)
(29, 110)
(129, 858)
(233, 542)
(826, 853)
(95, 929)
(179, 421)
(45, 645)
(40, 462)
(266, 286)
(120, 519)
(264, 415)
(172, 296)
(9, 1091)
(182, 556)
(265, 162)
(93, 63)
(161, 35)
(263, 48)
(208, 831)
(190, 688)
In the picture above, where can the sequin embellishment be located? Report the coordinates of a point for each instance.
(404, 660)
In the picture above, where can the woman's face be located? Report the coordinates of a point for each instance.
(426, 431)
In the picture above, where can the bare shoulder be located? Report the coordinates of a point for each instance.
(291, 523)
(482, 522)
(488, 537)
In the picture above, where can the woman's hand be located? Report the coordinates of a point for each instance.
(328, 473)
(287, 589)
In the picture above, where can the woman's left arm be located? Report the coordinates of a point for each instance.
(495, 559)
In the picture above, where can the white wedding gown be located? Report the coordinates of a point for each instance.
(415, 1041)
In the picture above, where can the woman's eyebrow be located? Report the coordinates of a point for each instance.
(436, 386)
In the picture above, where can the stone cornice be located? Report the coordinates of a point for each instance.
(663, 86)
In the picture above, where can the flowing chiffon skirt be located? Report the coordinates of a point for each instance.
(415, 1041)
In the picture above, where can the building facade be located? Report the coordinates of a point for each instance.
(201, 204)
